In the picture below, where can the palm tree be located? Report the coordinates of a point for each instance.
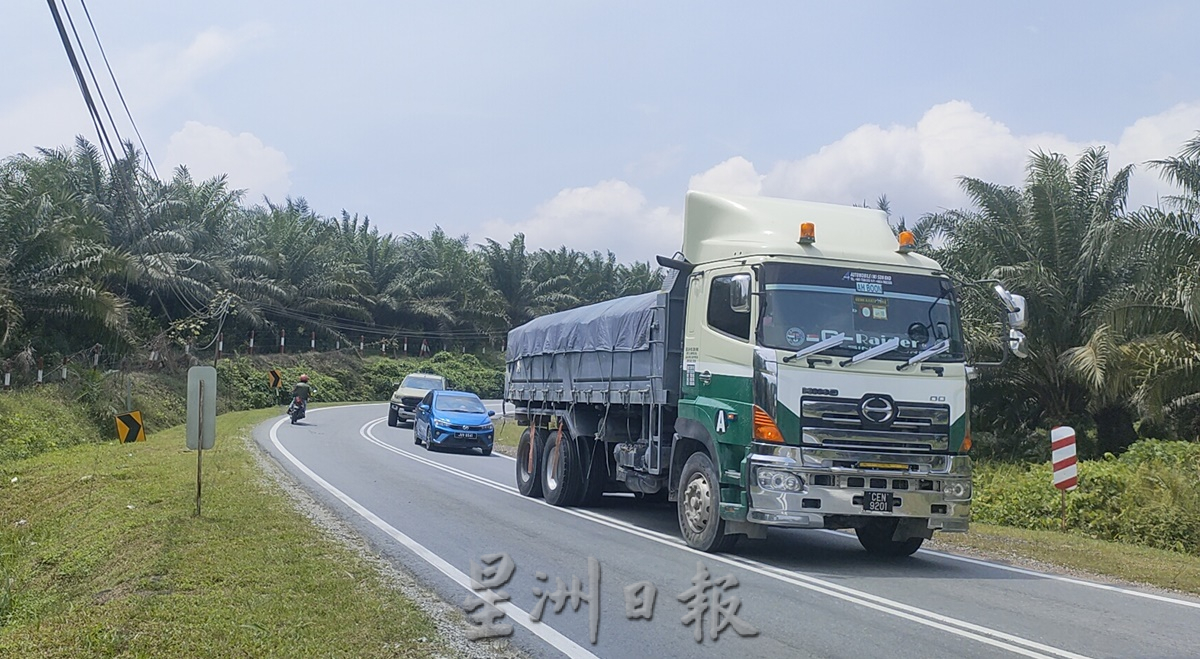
(1147, 346)
(1046, 240)
(511, 274)
(55, 259)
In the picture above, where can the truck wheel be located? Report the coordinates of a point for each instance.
(700, 506)
(529, 465)
(393, 418)
(876, 537)
(561, 482)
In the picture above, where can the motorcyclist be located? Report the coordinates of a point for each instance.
(300, 395)
(303, 390)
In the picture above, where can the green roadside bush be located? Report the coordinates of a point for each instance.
(1150, 496)
(34, 421)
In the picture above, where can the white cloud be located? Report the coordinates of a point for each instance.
(161, 71)
(150, 78)
(734, 176)
(1153, 138)
(251, 165)
(611, 215)
(918, 166)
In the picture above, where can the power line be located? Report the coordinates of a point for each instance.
(117, 86)
(88, 62)
(105, 145)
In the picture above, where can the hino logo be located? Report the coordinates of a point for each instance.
(877, 409)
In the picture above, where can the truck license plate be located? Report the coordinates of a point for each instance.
(877, 502)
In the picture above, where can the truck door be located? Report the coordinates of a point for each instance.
(718, 360)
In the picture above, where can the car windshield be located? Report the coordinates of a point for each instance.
(459, 403)
(421, 382)
(805, 304)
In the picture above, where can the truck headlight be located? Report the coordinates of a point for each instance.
(957, 490)
(781, 481)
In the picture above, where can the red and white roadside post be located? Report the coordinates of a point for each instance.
(1066, 468)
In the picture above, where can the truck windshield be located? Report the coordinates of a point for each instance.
(804, 304)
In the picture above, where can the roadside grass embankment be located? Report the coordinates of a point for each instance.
(101, 555)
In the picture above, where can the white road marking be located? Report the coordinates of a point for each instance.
(962, 628)
(1057, 577)
(544, 631)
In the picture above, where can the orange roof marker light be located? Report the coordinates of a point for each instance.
(764, 427)
(808, 233)
(908, 242)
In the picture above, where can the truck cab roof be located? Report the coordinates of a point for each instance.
(722, 227)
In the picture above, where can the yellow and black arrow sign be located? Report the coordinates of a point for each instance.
(276, 380)
(130, 428)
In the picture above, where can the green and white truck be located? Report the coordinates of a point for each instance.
(802, 367)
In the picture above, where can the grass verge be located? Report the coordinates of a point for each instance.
(101, 555)
(508, 433)
(1074, 553)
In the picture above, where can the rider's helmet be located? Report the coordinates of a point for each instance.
(304, 378)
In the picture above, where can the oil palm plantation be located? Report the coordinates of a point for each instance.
(511, 273)
(1048, 241)
(56, 261)
(1147, 345)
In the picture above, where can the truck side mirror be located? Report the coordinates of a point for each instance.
(1006, 298)
(1016, 343)
(1018, 319)
(739, 293)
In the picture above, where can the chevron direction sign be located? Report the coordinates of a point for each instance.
(130, 428)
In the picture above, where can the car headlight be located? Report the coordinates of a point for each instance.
(957, 490)
(782, 481)
(440, 422)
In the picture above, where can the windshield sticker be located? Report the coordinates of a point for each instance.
(871, 308)
(869, 277)
(868, 287)
(795, 336)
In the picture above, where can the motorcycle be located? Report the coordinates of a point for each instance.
(297, 409)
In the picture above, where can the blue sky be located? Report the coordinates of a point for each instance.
(585, 122)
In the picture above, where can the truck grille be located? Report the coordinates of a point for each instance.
(883, 425)
(410, 402)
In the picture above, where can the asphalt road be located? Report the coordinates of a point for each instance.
(804, 593)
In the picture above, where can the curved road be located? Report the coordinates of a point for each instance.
(805, 593)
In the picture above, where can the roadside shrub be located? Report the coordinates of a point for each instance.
(468, 373)
(38, 420)
(1148, 496)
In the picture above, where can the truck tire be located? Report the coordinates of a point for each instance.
(876, 537)
(699, 508)
(393, 418)
(529, 463)
(562, 482)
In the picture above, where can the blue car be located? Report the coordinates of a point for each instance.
(453, 419)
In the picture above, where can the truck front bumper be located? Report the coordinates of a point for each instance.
(936, 488)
